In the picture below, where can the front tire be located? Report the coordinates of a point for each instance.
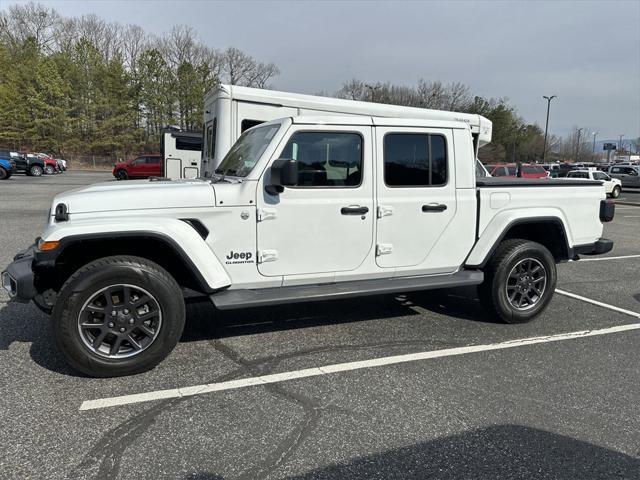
(519, 281)
(122, 175)
(4, 175)
(615, 193)
(36, 171)
(49, 170)
(118, 316)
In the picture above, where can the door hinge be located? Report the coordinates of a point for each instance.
(267, 256)
(266, 214)
(384, 249)
(384, 211)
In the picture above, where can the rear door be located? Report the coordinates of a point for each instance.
(154, 166)
(416, 197)
(139, 167)
(324, 224)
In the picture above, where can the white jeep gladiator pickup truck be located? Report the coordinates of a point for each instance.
(300, 209)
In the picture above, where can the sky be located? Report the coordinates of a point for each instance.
(585, 52)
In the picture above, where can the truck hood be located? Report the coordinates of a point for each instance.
(137, 195)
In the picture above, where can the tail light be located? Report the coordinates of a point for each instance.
(607, 210)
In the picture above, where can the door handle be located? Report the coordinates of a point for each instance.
(354, 210)
(434, 207)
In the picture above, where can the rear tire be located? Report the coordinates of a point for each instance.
(519, 281)
(615, 193)
(49, 170)
(36, 171)
(118, 316)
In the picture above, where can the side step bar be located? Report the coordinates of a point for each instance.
(231, 299)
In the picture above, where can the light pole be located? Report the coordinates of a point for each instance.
(593, 150)
(620, 142)
(578, 144)
(372, 90)
(546, 127)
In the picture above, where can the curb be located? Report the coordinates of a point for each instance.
(632, 204)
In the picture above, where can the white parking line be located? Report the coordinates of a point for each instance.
(349, 366)
(597, 259)
(600, 304)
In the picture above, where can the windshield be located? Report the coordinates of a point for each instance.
(246, 151)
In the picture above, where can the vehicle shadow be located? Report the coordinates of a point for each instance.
(496, 452)
(24, 323)
(204, 321)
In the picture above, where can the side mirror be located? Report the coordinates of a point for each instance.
(284, 173)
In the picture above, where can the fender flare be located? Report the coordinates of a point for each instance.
(181, 237)
(478, 259)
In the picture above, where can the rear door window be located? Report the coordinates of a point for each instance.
(415, 160)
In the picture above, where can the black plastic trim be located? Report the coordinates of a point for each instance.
(501, 182)
(21, 275)
(523, 221)
(238, 298)
(600, 246)
(197, 226)
(61, 213)
(607, 210)
(47, 259)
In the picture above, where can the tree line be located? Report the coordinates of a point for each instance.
(85, 86)
(513, 139)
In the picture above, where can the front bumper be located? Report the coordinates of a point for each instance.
(17, 279)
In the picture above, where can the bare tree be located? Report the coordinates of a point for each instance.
(32, 20)
(239, 68)
(353, 90)
(103, 35)
(134, 42)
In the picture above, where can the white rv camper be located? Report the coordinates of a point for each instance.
(181, 154)
(229, 110)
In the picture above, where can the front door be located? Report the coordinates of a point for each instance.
(416, 198)
(324, 224)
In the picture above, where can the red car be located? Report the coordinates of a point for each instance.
(139, 167)
(509, 170)
(50, 165)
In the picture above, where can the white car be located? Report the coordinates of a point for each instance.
(612, 186)
(301, 209)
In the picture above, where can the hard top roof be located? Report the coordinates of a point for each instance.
(339, 105)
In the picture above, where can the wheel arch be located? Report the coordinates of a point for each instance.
(54, 267)
(549, 231)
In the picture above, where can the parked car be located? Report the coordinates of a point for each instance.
(293, 213)
(511, 170)
(29, 164)
(50, 164)
(7, 165)
(141, 167)
(563, 170)
(629, 175)
(613, 186)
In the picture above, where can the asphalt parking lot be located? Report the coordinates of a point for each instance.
(565, 406)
